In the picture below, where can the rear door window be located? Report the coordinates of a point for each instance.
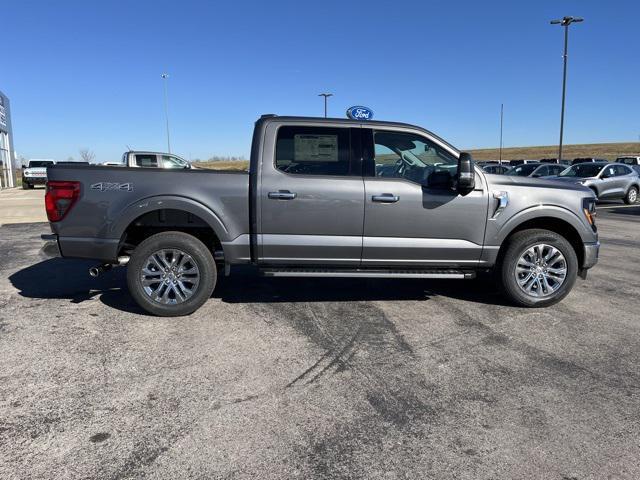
(322, 151)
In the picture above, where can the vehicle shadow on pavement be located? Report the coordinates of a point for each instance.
(59, 278)
(245, 285)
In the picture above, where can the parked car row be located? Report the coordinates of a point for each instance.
(616, 180)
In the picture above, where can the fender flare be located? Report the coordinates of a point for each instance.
(172, 202)
(541, 211)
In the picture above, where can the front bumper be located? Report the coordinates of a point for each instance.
(591, 251)
(34, 180)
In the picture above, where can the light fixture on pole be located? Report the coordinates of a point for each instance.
(565, 22)
(166, 109)
(325, 95)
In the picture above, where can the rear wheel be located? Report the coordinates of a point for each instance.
(171, 274)
(539, 268)
(632, 196)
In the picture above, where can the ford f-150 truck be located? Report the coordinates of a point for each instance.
(325, 197)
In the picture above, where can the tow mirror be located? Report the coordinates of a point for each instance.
(466, 177)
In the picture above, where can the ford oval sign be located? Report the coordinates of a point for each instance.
(360, 113)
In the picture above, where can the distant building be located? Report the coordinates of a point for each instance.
(7, 160)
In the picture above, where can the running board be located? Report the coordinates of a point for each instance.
(368, 273)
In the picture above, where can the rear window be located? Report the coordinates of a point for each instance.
(146, 160)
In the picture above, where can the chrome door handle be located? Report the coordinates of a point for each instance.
(385, 198)
(281, 195)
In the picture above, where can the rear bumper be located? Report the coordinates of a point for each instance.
(102, 249)
(591, 252)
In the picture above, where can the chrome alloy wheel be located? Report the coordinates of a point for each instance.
(170, 276)
(541, 270)
(633, 195)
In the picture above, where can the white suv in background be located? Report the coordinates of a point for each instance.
(35, 172)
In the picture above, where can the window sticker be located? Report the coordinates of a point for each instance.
(315, 148)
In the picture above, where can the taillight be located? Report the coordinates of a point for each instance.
(59, 199)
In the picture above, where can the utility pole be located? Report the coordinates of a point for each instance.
(565, 22)
(501, 116)
(325, 95)
(166, 109)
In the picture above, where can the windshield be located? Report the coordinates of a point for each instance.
(522, 170)
(582, 170)
(40, 163)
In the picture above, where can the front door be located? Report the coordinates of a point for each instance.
(413, 215)
(311, 197)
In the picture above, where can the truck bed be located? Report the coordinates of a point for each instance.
(112, 197)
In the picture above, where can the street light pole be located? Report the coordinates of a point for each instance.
(166, 109)
(501, 112)
(325, 95)
(565, 22)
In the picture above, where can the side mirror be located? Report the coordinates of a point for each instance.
(466, 177)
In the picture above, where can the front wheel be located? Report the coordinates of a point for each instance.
(539, 268)
(632, 196)
(171, 274)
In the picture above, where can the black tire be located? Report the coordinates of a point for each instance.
(515, 248)
(632, 195)
(191, 246)
(25, 185)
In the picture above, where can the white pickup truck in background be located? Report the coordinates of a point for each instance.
(141, 159)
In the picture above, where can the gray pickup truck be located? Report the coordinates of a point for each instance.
(325, 197)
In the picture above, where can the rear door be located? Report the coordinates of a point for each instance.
(413, 215)
(311, 195)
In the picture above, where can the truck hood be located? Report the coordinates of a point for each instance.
(548, 182)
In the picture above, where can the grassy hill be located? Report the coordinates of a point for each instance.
(601, 150)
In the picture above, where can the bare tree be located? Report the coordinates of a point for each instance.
(87, 155)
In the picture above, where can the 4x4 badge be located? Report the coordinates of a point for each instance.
(108, 187)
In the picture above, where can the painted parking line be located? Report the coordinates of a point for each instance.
(616, 206)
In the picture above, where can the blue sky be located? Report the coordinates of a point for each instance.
(84, 74)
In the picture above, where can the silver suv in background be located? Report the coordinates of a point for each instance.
(632, 161)
(607, 180)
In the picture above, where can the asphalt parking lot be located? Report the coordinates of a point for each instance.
(319, 378)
